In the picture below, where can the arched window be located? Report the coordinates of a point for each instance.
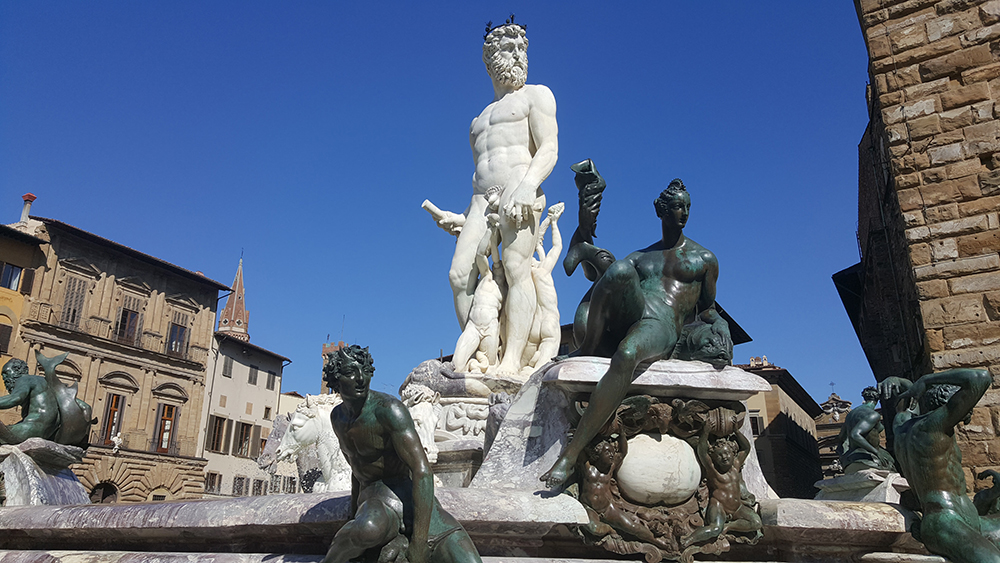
(104, 493)
(6, 334)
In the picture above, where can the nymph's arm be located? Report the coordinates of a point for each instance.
(407, 445)
(706, 301)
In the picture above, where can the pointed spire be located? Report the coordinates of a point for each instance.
(235, 319)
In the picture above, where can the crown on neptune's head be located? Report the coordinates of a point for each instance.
(510, 21)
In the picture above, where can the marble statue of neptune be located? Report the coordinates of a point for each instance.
(514, 146)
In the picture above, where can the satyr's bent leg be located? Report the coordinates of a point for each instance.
(648, 339)
(374, 525)
(463, 274)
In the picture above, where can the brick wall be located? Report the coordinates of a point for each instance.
(935, 77)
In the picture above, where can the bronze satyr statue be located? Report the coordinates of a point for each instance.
(859, 443)
(49, 407)
(931, 461)
(637, 307)
(396, 517)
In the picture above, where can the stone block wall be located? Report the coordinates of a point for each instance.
(935, 79)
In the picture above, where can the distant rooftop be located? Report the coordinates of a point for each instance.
(18, 235)
(131, 252)
(223, 336)
(780, 376)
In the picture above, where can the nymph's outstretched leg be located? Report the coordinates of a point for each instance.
(647, 339)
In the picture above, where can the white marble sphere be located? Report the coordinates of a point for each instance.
(659, 469)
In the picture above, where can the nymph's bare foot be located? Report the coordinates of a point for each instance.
(559, 474)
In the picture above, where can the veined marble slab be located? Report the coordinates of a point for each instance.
(666, 378)
(282, 523)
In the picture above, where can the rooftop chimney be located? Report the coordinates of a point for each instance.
(28, 198)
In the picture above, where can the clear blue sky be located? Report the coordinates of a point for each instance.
(306, 135)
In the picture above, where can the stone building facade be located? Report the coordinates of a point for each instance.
(137, 330)
(926, 294)
(20, 254)
(828, 425)
(242, 403)
(784, 431)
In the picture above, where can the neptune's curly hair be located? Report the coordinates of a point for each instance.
(346, 356)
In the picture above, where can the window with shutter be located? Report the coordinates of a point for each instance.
(255, 443)
(165, 428)
(129, 320)
(244, 439)
(216, 434)
(10, 276)
(229, 436)
(27, 281)
(73, 300)
(6, 332)
(178, 335)
(113, 413)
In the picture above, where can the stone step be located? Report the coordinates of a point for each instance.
(67, 556)
(901, 558)
(176, 557)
